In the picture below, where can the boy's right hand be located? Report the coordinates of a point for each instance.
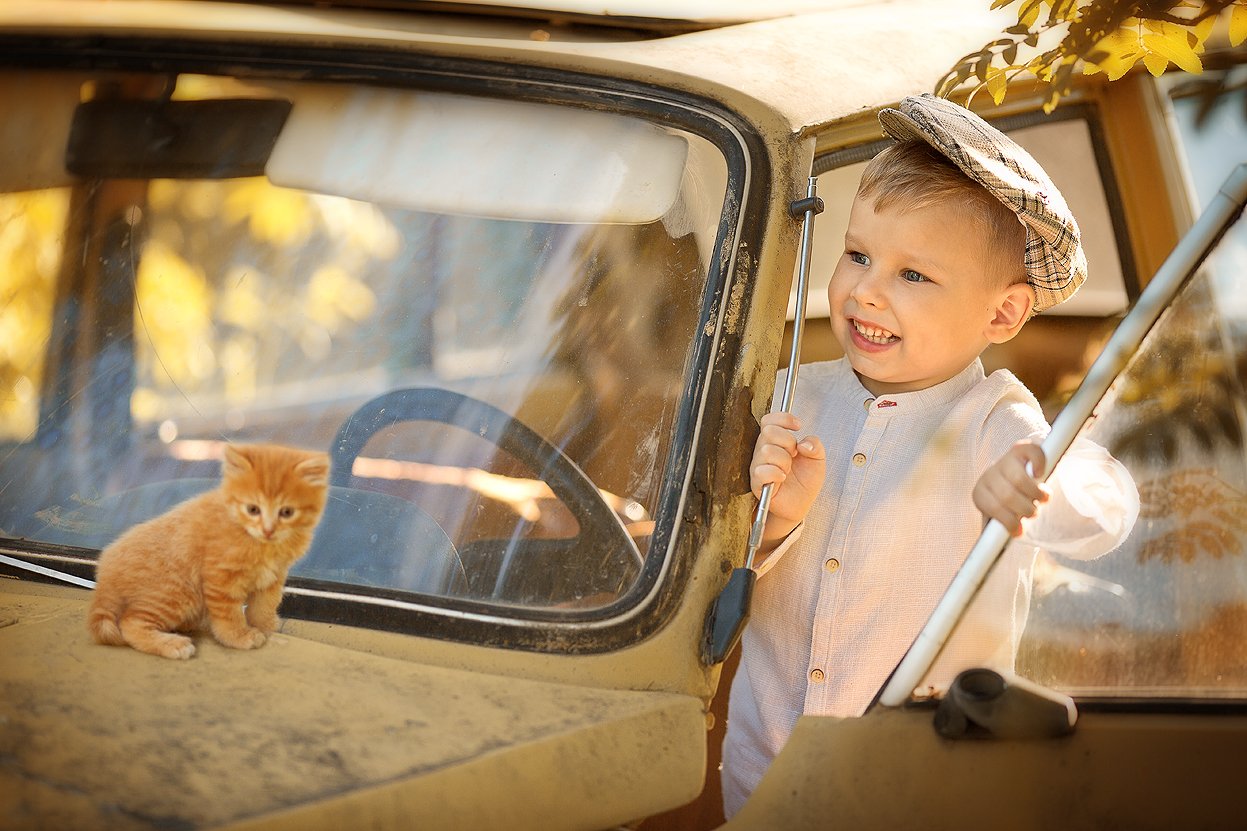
(794, 469)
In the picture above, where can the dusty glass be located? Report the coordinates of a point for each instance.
(490, 334)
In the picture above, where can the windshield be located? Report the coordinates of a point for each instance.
(485, 310)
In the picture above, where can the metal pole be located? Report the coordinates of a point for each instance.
(730, 611)
(810, 207)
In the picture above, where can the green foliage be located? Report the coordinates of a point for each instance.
(1054, 39)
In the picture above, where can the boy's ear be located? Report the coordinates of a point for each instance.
(1013, 308)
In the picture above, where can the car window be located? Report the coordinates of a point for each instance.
(1163, 614)
(486, 310)
(1166, 613)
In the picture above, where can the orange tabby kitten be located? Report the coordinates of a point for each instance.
(201, 563)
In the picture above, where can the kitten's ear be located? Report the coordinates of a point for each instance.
(235, 460)
(314, 470)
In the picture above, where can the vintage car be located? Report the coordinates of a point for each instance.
(529, 276)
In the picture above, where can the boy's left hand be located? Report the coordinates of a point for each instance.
(1008, 491)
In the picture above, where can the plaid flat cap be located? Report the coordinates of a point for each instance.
(1055, 262)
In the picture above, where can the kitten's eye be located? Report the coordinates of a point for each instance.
(286, 513)
(252, 510)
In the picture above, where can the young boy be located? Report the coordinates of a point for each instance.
(956, 237)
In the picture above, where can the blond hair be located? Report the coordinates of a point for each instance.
(912, 174)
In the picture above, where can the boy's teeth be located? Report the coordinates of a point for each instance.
(874, 334)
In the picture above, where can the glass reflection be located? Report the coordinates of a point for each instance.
(1165, 613)
(164, 316)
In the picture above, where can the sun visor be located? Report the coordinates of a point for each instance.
(35, 131)
(484, 157)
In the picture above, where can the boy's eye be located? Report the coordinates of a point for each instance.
(858, 257)
(252, 510)
(286, 513)
(912, 276)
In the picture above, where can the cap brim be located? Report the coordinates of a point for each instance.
(901, 127)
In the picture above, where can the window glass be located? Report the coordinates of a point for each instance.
(492, 346)
(1163, 615)
(1167, 612)
(29, 262)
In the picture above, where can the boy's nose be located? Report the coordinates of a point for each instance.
(869, 289)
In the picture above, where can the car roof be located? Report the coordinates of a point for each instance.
(656, 13)
(807, 68)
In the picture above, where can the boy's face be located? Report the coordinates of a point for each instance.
(912, 300)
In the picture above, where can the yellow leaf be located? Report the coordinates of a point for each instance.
(1117, 64)
(1238, 24)
(997, 82)
(1029, 12)
(1175, 49)
(1203, 29)
(1155, 63)
(1164, 27)
(1066, 11)
(1122, 40)
(1182, 34)
(1121, 52)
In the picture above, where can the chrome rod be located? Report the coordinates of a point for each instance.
(1221, 213)
(812, 207)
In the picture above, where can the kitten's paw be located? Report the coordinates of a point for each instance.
(246, 639)
(177, 647)
(267, 625)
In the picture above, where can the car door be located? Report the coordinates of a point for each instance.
(1126, 703)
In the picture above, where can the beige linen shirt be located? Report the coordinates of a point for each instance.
(840, 601)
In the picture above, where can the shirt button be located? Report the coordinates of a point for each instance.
(866, 404)
(859, 459)
(816, 675)
(832, 565)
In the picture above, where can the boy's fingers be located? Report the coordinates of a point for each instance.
(1026, 487)
(1030, 453)
(770, 454)
(788, 421)
(776, 436)
(770, 466)
(1016, 472)
(811, 448)
(1008, 505)
(1020, 499)
(763, 475)
(1008, 520)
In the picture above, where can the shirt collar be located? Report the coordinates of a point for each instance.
(936, 397)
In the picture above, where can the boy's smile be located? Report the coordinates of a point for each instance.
(871, 336)
(913, 301)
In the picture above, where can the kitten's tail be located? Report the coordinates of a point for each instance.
(102, 623)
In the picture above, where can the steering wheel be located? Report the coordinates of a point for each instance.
(603, 547)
